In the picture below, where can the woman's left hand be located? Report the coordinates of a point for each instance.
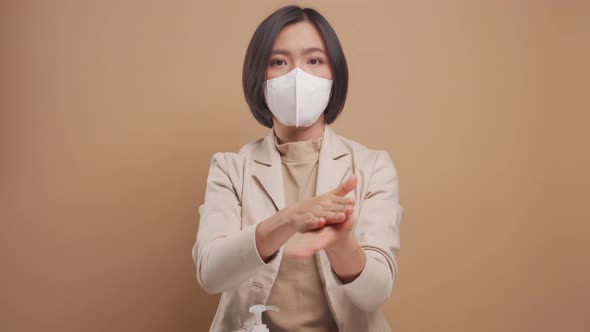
(303, 245)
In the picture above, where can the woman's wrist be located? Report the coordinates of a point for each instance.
(272, 233)
(345, 244)
(347, 258)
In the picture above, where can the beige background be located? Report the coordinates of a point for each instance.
(111, 111)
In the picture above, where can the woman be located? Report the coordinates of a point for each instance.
(303, 218)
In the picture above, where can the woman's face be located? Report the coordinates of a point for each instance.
(299, 45)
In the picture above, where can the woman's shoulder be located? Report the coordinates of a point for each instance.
(365, 155)
(235, 160)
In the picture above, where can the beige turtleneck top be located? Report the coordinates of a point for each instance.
(298, 290)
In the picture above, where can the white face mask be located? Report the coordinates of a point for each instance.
(297, 98)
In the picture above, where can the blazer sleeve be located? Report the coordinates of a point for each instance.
(225, 255)
(378, 233)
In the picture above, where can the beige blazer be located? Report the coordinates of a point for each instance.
(246, 187)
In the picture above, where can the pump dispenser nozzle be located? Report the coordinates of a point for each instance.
(257, 310)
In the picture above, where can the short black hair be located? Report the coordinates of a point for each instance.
(258, 55)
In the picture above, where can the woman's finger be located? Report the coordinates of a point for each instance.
(346, 186)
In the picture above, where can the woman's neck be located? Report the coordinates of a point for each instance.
(287, 134)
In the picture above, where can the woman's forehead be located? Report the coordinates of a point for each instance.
(301, 37)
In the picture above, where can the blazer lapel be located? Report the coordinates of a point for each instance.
(268, 170)
(333, 164)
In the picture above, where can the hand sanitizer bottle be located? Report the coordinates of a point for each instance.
(257, 310)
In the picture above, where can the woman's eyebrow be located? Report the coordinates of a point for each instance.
(305, 51)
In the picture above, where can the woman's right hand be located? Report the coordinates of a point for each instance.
(329, 208)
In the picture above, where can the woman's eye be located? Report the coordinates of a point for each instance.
(277, 62)
(315, 61)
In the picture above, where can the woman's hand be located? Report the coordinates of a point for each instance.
(329, 208)
(307, 244)
(311, 241)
